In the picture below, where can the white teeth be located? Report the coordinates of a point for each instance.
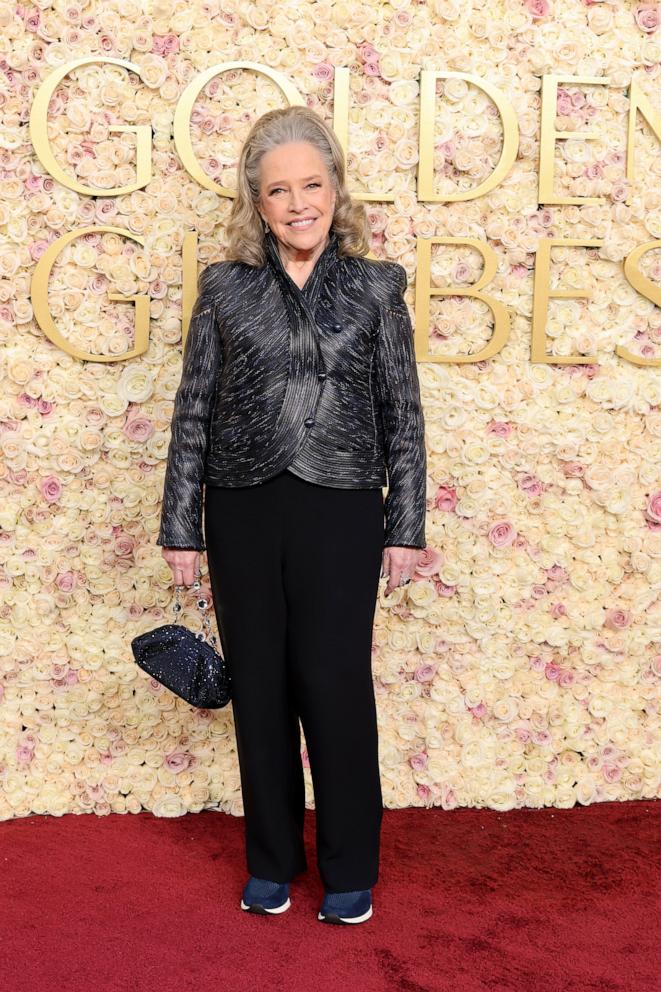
(301, 223)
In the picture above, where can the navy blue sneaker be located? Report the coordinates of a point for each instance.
(346, 907)
(262, 896)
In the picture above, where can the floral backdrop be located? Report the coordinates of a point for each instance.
(521, 666)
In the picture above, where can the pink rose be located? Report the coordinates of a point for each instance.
(165, 44)
(558, 610)
(138, 427)
(158, 289)
(617, 619)
(418, 761)
(429, 561)
(501, 428)
(501, 534)
(367, 52)
(618, 192)
(445, 499)
(531, 485)
(424, 673)
(462, 272)
(593, 171)
(323, 71)
(564, 106)
(24, 754)
(124, 545)
(178, 761)
(478, 711)
(97, 284)
(646, 16)
(653, 509)
(51, 488)
(66, 581)
(371, 68)
(538, 8)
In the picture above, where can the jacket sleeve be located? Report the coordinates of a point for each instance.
(181, 507)
(401, 414)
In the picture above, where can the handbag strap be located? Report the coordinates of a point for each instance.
(203, 607)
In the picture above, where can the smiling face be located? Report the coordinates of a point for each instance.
(296, 199)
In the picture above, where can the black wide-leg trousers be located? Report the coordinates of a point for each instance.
(294, 570)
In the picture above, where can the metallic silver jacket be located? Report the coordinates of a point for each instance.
(322, 381)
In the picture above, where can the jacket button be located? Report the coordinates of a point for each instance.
(309, 421)
(337, 327)
(321, 375)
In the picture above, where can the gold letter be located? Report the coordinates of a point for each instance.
(541, 295)
(428, 79)
(424, 291)
(638, 101)
(39, 296)
(184, 109)
(39, 133)
(647, 289)
(548, 134)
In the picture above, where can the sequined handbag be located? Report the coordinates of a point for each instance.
(186, 663)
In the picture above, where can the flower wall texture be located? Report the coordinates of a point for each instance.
(521, 666)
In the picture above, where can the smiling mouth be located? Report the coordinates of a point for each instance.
(302, 224)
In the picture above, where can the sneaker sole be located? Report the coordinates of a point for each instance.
(333, 918)
(258, 908)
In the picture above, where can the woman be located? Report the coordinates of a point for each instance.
(299, 390)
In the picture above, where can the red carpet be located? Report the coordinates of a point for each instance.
(471, 899)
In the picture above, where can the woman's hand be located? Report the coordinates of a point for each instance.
(398, 564)
(185, 565)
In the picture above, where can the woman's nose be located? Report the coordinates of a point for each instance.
(296, 200)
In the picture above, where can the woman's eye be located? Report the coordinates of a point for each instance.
(279, 188)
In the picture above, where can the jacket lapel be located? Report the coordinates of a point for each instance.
(307, 297)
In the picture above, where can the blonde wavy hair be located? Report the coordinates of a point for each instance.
(245, 228)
